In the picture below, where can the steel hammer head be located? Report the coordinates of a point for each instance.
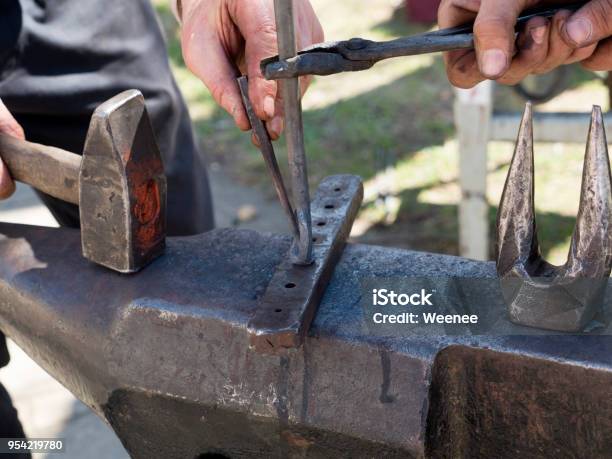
(122, 187)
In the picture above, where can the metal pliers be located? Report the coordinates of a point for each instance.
(359, 54)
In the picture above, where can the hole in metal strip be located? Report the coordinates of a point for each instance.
(321, 223)
(290, 285)
(330, 206)
(278, 310)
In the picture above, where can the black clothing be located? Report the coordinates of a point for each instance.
(59, 60)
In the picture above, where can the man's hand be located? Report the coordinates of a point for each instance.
(543, 45)
(8, 126)
(223, 37)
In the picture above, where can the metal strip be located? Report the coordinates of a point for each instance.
(301, 253)
(286, 310)
(267, 151)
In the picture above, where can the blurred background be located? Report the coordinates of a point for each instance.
(392, 125)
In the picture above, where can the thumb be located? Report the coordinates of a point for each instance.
(256, 23)
(494, 35)
(590, 24)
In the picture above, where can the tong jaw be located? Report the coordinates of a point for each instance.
(562, 298)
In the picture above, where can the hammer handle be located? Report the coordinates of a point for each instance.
(50, 170)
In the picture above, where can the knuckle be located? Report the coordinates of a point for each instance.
(447, 12)
(490, 26)
(265, 30)
(261, 42)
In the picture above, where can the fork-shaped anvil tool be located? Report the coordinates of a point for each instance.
(563, 298)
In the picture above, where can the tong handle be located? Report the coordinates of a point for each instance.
(450, 39)
(359, 54)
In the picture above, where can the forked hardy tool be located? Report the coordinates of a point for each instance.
(568, 297)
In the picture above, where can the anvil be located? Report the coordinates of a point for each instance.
(164, 358)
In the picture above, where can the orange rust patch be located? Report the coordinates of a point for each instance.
(147, 206)
(146, 211)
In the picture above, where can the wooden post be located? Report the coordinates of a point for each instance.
(473, 110)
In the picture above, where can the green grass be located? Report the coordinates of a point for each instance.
(393, 126)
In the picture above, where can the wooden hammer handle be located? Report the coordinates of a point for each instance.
(50, 170)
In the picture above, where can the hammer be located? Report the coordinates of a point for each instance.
(118, 184)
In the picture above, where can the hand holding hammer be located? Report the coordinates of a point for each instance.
(10, 127)
(119, 183)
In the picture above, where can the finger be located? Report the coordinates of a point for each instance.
(494, 35)
(255, 20)
(276, 125)
(8, 124)
(305, 82)
(601, 59)
(590, 24)
(7, 185)
(462, 69)
(453, 13)
(558, 50)
(255, 140)
(532, 46)
(581, 54)
(461, 66)
(206, 58)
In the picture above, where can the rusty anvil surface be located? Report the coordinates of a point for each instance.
(163, 356)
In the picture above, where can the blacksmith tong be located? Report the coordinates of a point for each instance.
(359, 54)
